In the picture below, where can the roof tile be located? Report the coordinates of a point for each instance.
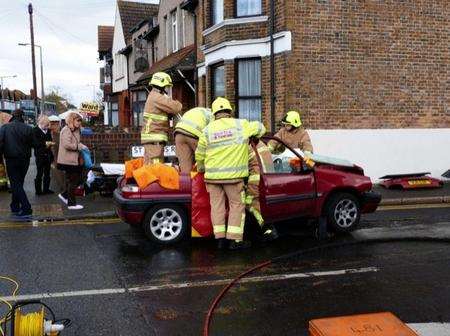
(131, 13)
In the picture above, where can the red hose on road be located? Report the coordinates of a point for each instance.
(224, 291)
(219, 297)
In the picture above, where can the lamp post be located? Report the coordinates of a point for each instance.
(2, 88)
(42, 73)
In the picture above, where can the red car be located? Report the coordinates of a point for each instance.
(340, 193)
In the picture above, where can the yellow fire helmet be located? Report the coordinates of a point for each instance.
(221, 104)
(161, 79)
(292, 118)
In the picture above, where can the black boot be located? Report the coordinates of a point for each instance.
(38, 186)
(222, 243)
(47, 190)
(239, 245)
(270, 233)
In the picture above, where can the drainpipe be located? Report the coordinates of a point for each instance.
(272, 67)
(195, 58)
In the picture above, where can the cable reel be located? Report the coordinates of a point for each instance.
(35, 323)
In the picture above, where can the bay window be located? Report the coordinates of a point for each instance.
(218, 81)
(248, 7)
(248, 93)
(217, 11)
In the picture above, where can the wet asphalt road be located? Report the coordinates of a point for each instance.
(410, 279)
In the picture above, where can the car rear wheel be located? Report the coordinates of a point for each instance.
(343, 212)
(166, 224)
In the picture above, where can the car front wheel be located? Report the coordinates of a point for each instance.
(343, 212)
(166, 224)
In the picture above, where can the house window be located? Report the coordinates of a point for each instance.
(218, 81)
(114, 114)
(249, 89)
(248, 7)
(217, 11)
(140, 98)
(174, 31)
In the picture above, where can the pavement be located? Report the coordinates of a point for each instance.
(50, 208)
(110, 280)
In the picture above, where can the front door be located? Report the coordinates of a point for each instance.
(288, 191)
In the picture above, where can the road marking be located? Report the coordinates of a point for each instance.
(35, 224)
(151, 288)
(431, 329)
(413, 206)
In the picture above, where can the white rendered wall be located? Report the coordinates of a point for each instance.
(388, 151)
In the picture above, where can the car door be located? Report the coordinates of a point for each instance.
(288, 190)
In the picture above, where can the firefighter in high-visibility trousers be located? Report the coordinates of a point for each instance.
(187, 132)
(222, 153)
(252, 200)
(292, 134)
(158, 107)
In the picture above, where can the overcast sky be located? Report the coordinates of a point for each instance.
(67, 31)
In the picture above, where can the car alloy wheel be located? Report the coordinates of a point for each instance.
(166, 224)
(343, 212)
(346, 213)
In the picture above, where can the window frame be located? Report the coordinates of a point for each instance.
(236, 83)
(213, 67)
(174, 30)
(211, 13)
(246, 16)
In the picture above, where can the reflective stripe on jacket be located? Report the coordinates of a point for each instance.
(222, 151)
(195, 120)
(157, 109)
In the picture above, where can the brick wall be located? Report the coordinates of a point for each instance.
(353, 64)
(370, 64)
(112, 145)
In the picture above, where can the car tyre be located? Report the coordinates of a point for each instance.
(166, 224)
(343, 212)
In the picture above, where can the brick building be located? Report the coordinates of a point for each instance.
(128, 16)
(174, 48)
(359, 71)
(105, 41)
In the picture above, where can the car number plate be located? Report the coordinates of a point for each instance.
(169, 151)
(137, 151)
(419, 182)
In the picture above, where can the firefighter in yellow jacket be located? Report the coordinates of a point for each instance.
(292, 134)
(252, 200)
(187, 132)
(158, 107)
(222, 153)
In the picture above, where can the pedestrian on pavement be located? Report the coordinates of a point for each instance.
(252, 200)
(158, 107)
(292, 134)
(187, 132)
(56, 175)
(69, 159)
(43, 154)
(16, 141)
(222, 153)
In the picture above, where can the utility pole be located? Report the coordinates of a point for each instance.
(33, 63)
